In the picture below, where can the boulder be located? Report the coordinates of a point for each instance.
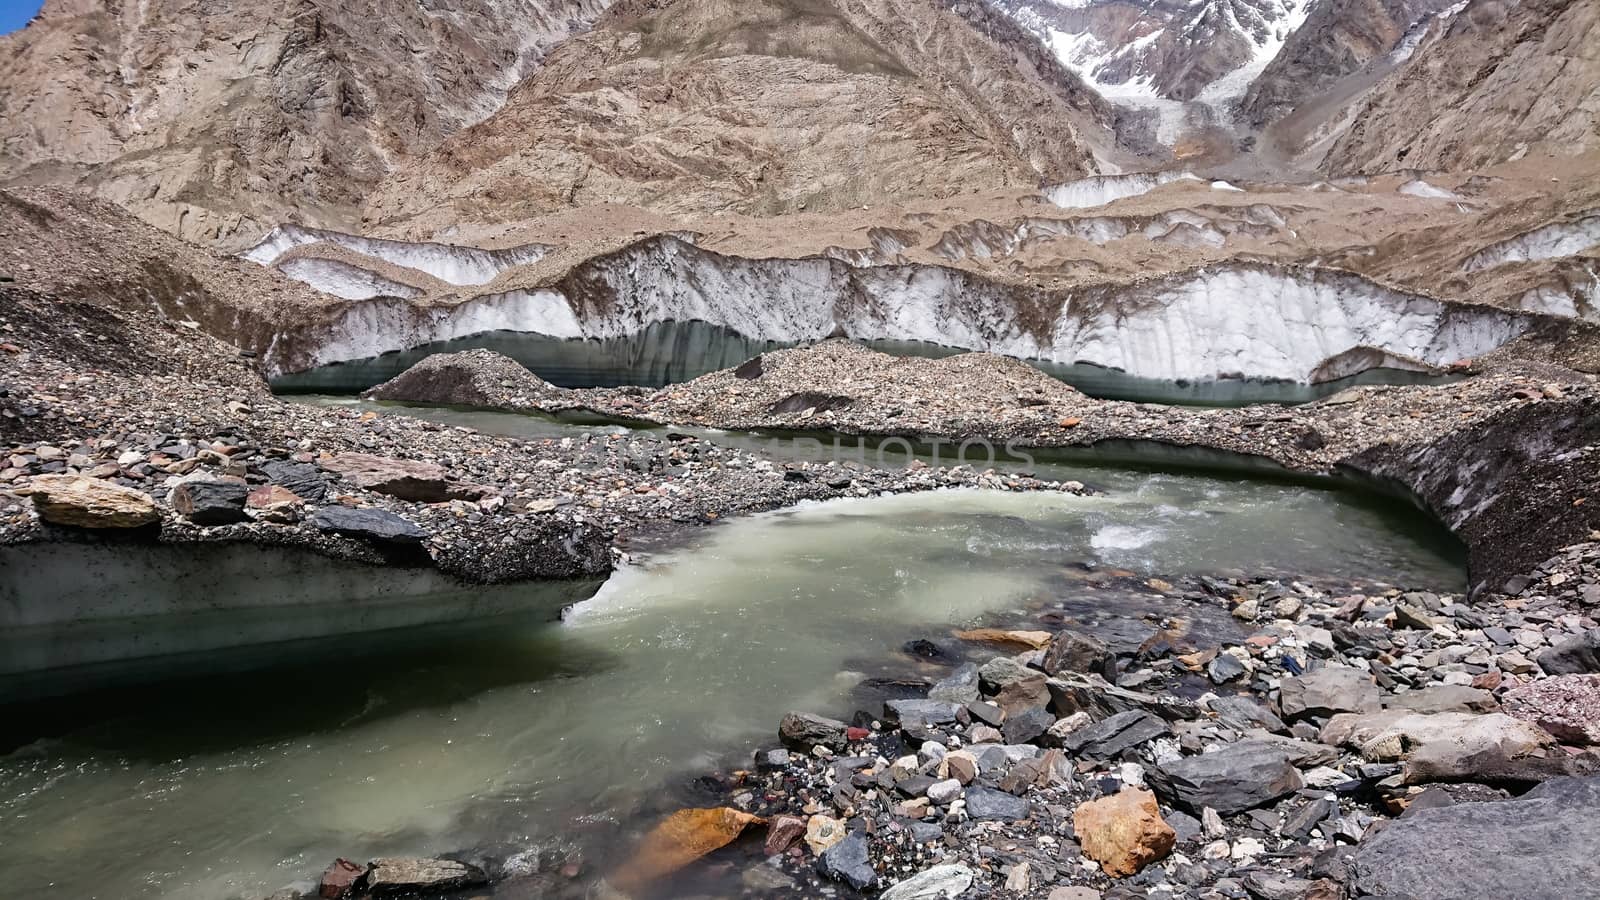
(847, 861)
(401, 875)
(915, 714)
(679, 840)
(377, 525)
(1075, 652)
(1237, 778)
(1576, 655)
(1241, 712)
(1009, 640)
(1566, 706)
(1438, 698)
(304, 480)
(86, 502)
(960, 686)
(1107, 739)
(783, 832)
(406, 479)
(1123, 832)
(937, 883)
(1447, 746)
(989, 805)
(823, 832)
(211, 502)
(1001, 671)
(1329, 691)
(1026, 725)
(803, 731)
(1540, 846)
(1075, 692)
(339, 880)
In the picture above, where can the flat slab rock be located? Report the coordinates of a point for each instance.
(1540, 846)
(1234, 779)
(405, 875)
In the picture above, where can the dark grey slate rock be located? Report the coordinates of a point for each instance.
(989, 805)
(1224, 668)
(1075, 652)
(1328, 691)
(927, 712)
(377, 525)
(1071, 692)
(1108, 738)
(1026, 725)
(846, 861)
(1540, 846)
(1242, 712)
(1232, 780)
(960, 686)
(1573, 656)
(211, 502)
(802, 731)
(305, 479)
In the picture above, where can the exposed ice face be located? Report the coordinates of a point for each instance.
(1550, 242)
(1264, 323)
(341, 279)
(446, 262)
(1227, 322)
(378, 326)
(1098, 190)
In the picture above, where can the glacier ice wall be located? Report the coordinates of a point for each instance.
(1269, 324)
(342, 279)
(1098, 190)
(462, 266)
(1226, 322)
(1549, 242)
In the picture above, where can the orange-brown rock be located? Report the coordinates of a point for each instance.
(682, 838)
(1123, 832)
(1011, 640)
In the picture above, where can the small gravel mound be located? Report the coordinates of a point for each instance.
(469, 378)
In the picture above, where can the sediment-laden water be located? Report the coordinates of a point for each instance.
(522, 732)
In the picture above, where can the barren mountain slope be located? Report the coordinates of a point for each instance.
(213, 120)
(1506, 80)
(1338, 38)
(764, 107)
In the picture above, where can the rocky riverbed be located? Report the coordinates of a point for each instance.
(1260, 738)
(1342, 744)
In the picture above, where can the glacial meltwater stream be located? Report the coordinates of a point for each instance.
(524, 732)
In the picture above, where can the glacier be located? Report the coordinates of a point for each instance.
(460, 266)
(1233, 321)
(1549, 242)
(1098, 190)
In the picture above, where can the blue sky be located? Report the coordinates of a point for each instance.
(15, 13)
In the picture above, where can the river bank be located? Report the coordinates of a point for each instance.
(1504, 458)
